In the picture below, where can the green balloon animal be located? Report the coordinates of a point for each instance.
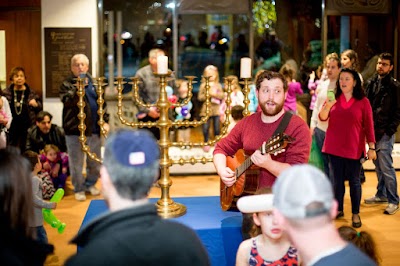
(48, 215)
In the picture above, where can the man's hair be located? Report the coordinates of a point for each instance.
(270, 75)
(32, 157)
(16, 205)
(41, 115)
(15, 71)
(386, 56)
(130, 182)
(309, 224)
(84, 58)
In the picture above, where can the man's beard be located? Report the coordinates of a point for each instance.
(381, 73)
(274, 112)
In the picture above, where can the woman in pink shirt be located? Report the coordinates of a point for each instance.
(350, 124)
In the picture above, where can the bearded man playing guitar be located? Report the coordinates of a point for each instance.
(256, 130)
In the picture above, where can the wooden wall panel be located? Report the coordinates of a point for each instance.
(23, 44)
(12, 4)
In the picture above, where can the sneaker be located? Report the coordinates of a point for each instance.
(80, 196)
(391, 209)
(93, 190)
(375, 200)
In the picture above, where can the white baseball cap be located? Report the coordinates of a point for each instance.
(303, 191)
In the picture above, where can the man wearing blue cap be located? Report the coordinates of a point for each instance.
(132, 233)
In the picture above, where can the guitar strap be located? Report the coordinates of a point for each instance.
(284, 123)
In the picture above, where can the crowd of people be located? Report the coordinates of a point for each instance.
(352, 120)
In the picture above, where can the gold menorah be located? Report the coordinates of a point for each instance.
(166, 207)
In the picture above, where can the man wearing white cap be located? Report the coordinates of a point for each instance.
(132, 233)
(304, 203)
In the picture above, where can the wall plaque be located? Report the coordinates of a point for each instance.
(60, 45)
(358, 7)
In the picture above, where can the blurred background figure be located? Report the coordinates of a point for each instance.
(25, 103)
(18, 244)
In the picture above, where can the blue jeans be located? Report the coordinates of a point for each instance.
(320, 138)
(387, 182)
(76, 156)
(206, 127)
(41, 234)
(343, 168)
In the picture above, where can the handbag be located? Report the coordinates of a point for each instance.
(316, 155)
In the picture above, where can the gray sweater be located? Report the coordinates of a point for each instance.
(38, 202)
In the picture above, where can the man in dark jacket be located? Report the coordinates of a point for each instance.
(44, 132)
(132, 233)
(69, 97)
(383, 91)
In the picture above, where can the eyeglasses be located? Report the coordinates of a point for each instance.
(383, 64)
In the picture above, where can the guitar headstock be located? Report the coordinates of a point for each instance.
(276, 144)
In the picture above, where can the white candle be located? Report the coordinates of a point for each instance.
(245, 67)
(162, 64)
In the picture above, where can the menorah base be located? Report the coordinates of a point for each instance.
(170, 209)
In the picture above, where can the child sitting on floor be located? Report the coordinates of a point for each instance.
(55, 163)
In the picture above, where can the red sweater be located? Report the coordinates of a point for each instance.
(350, 124)
(250, 132)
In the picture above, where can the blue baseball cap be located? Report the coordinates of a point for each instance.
(134, 148)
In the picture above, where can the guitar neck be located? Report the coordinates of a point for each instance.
(244, 166)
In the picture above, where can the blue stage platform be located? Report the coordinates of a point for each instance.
(219, 231)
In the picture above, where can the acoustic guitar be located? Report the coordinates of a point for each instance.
(246, 173)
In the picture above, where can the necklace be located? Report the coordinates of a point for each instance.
(18, 104)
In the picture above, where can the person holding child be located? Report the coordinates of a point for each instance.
(55, 163)
(36, 223)
(217, 95)
(45, 132)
